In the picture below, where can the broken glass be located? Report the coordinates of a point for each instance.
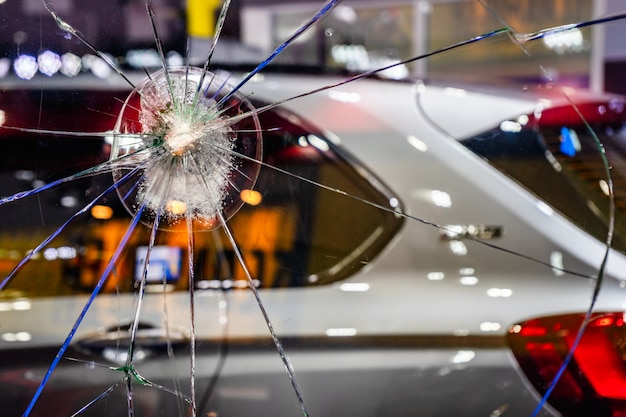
(183, 240)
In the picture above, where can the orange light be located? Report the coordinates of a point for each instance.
(251, 197)
(101, 212)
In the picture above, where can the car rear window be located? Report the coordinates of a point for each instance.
(558, 156)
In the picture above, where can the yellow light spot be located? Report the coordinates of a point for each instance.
(102, 212)
(176, 207)
(251, 197)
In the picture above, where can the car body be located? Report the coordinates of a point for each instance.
(421, 326)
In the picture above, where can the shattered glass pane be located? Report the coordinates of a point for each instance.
(336, 208)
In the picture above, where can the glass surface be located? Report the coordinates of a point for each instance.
(558, 159)
(290, 230)
(567, 55)
(288, 208)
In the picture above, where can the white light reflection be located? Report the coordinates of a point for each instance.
(21, 305)
(49, 63)
(455, 92)
(354, 287)
(69, 201)
(120, 356)
(435, 276)
(469, 281)
(417, 144)
(510, 126)
(143, 58)
(25, 175)
(467, 271)
(101, 69)
(70, 65)
(341, 331)
(97, 66)
(452, 231)
(63, 252)
(617, 105)
(499, 292)
(458, 248)
(5, 66)
(215, 284)
(257, 78)
(556, 260)
(223, 305)
(523, 119)
(318, 143)
(344, 96)
(490, 326)
(3, 118)
(553, 161)
(604, 186)
(564, 41)
(352, 56)
(123, 140)
(17, 337)
(160, 288)
(174, 59)
(346, 13)
(463, 356)
(544, 208)
(17, 305)
(441, 198)
(25, 67)
(396, 72)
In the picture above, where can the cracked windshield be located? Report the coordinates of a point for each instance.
(312, 208)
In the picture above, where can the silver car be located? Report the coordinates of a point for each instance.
(272, 243)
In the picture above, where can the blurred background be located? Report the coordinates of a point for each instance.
(356, 36)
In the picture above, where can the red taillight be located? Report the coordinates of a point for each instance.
(594, 382)
(604, 112)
